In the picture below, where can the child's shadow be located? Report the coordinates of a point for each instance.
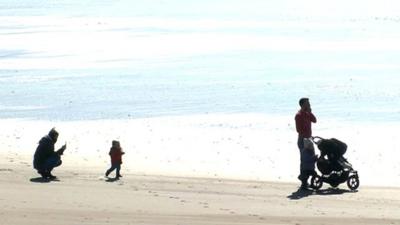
(111, 179)
(42, 180)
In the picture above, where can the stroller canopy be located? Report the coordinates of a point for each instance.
(333, 148)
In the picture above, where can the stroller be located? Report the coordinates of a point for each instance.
(335, 169)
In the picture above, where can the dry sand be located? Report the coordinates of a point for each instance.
(85, 197)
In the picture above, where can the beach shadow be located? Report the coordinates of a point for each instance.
(333, 191)
(302, 193)
(111, 179)
(43, 180)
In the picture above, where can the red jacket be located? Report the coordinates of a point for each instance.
(116, 155)
(303, 123)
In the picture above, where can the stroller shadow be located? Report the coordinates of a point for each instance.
(334, 191)
(42, 180)
(302, 193)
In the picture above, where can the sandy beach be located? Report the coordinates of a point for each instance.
(84, 197)
(185, 170)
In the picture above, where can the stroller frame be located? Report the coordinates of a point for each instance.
(336, 177)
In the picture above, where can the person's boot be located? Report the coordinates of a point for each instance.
(47, 175)
(107, 173)
(304, 186)
(51, 176)
(118, 176)
(43, 174)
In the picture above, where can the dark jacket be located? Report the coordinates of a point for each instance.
(43, 152)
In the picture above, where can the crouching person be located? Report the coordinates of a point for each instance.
(45, 158)
(308, 159)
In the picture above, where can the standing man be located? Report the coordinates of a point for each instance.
(304, 118)
(45, 158)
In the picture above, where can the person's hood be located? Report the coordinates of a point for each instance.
(46, 139)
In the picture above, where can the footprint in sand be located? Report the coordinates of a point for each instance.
(205, 205)
(135, 188)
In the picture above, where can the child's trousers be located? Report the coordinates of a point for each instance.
(116, 166)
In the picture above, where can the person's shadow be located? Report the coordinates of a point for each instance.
(302, 193)
(42, 180)
(111, 179)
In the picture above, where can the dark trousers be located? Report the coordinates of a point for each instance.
(300, 145)
(50, 163)
(114, 166)
(305, 174)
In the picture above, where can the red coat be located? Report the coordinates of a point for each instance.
(116, 155)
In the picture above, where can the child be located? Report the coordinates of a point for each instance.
(116, 159)
(308, 159)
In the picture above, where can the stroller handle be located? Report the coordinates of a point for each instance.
(316, 139)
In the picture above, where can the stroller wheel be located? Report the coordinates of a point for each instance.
(353, 182)
(316, 182)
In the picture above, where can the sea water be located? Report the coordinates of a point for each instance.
(88, 60)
